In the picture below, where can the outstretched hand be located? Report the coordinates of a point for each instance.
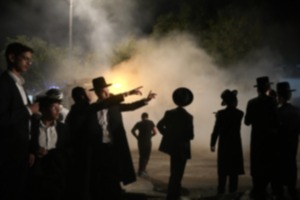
(151, 95)
(136, 91)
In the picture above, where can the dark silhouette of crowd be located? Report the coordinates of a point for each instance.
(51, 153)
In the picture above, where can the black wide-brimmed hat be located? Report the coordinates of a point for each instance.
(283, 88)
(262, 81)
(228, 96)
(182, 96)
(99, 83)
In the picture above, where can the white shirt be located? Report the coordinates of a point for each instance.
(19, 83)
(47, 136)
(102, 119)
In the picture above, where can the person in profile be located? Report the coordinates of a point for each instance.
(227, 130)
(111, 161)
(16, 111)
(262, 115)
(177, 131)
(289, 131)
(146, 130)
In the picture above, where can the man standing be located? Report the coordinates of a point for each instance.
(177, 129)
(146, 130)
(261, 114)
(289, 131)
(15, 113)
(111, 161)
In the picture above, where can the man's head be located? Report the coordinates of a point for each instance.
(100, 87)
(229, 98)
(144, 116)
(263, 84)
(284, 91)
(18, 57)
(79, 95)
(49, 107)
(55, 93)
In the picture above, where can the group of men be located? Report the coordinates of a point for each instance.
(87, 155)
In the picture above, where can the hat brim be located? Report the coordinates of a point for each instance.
(107, 85)
(177, 97)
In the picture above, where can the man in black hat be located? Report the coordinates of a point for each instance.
(111, 161)
(261, 114)
(227, 130)
(177, 130)
(289, 131)
(15, 114)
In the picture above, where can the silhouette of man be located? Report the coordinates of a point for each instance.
(146, 130)
(289, 130)
(177, 130)
(111, 161)
(261, 114)
(230, 153)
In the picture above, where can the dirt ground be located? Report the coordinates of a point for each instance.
(199, 181)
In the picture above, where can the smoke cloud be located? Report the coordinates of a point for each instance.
(159, 64)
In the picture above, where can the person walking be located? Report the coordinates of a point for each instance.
(146, 130)
(227, 131)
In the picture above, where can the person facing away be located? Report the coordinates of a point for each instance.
(177, 129)
(146, 130)
(51, 145)
(15, 113)
(289, 129)
(111, 161)
(262, 115)
(56, 93)
(227, 130)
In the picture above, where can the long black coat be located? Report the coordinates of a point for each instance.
(177, 129)
(262, 115)
(79, 173)
(289, 131)
(228, 130)
(117, 131)
(14, 137)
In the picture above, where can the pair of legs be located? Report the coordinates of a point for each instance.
(177, 167)
(144, 153)
(233, 183)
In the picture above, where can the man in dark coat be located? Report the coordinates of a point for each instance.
(230, 153)
(261, 114)
(146, 130)
(51, 146)
(78, 180)
(177, 130)
(15, 114)
(289, 131)
(111, 161)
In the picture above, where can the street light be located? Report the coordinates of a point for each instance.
(70, 27)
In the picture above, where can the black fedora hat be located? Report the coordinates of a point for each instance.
(182, 96)
(283, 88)
(262, 81)
(99, 83)
(228, 96)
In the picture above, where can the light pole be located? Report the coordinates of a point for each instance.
(70, 27)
